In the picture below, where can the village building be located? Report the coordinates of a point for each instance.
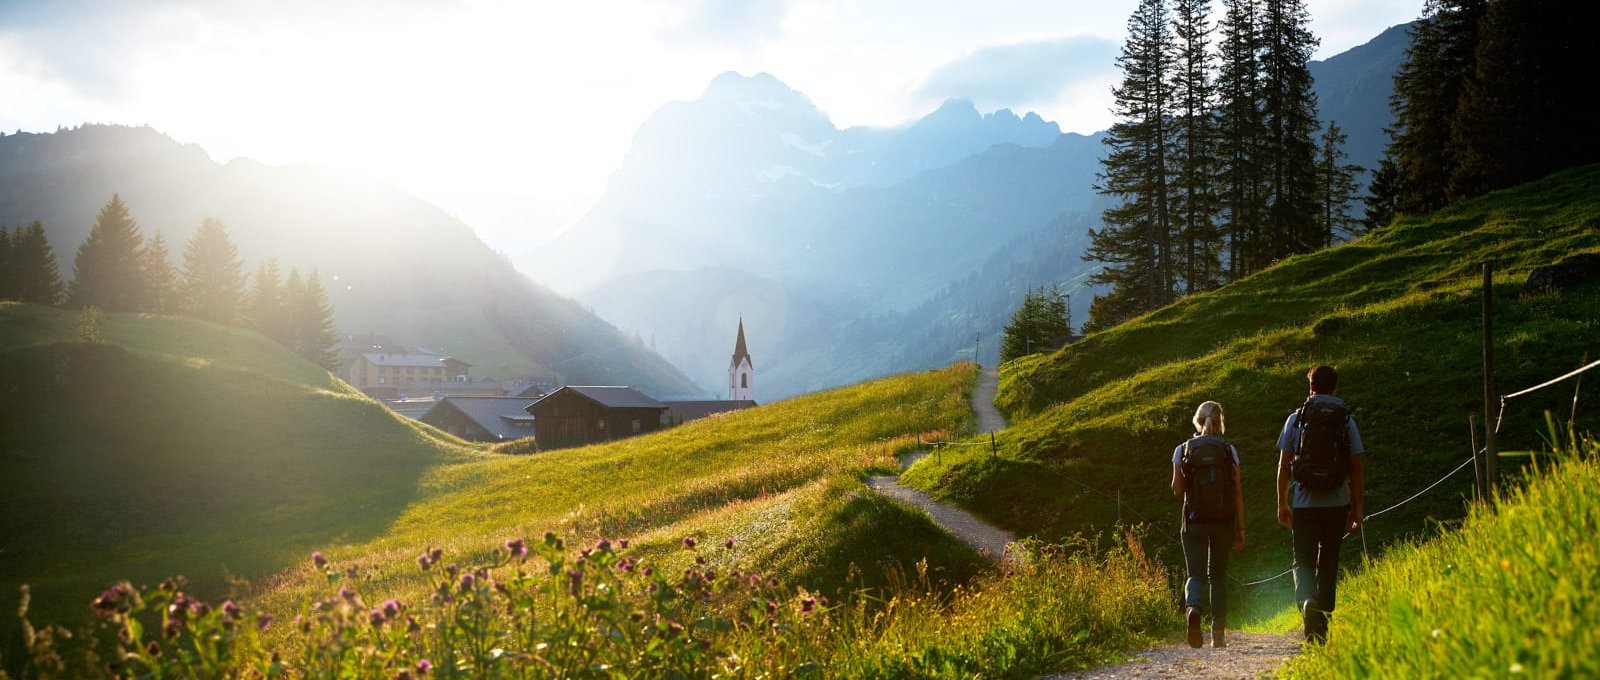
(483, 419)
(584, 414)
(391, 376)
(679, 412)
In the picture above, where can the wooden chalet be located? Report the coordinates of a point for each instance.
(482, 419)
(584, 414)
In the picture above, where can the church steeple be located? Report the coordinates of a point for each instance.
(741, 369)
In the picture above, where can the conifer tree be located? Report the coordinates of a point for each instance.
(1036, 325)
(1336, 187)
(1194, 149)
(1382, 192)
(160, 277)
(1135, 243)
(106, 271)
(35, 276)
(268, 310)
(213, 275)
(1427, 92)
(1289, 112)
(1239, 135)
(314, 332)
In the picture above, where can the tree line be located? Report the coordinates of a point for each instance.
(1217, 158)
(1042, 323)
(1490, 95)
(116, 269)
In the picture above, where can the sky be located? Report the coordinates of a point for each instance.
(512, 114)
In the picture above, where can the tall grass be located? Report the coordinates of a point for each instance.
(1509, 594)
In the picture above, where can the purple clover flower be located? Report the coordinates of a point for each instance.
(808, 604)
(346, 593)
(728, 544)
(263, 621)
(424, 666)
(689, 542)
(392, 607)
(318, 559)
(517, 548)
(467, 581)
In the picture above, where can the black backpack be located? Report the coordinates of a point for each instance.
(1207, 465)
(1322, 454)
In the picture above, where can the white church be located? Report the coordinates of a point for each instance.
(741, 371)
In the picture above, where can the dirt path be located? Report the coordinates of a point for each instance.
(1248, 655)
(989, 418)
(966, 527)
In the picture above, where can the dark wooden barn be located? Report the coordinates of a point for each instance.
(584, 414)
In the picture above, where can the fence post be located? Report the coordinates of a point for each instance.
(994, 448)
(1489, 467)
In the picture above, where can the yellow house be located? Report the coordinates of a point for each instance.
(387, 371)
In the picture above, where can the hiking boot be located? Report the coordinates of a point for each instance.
(1217, 641)
(1314, 622)
(1195, 636)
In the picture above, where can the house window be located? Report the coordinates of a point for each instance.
(636, 425)
(744, 380)
(380, 381)
(600, 424)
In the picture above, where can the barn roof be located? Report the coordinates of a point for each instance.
(496, 415)
(685, 411)
(610, 396)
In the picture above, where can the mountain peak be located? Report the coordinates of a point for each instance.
(735, 85)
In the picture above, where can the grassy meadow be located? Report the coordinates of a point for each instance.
(1396, 311)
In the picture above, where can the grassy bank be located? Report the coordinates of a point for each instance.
(1395, 311)
(1510, 593)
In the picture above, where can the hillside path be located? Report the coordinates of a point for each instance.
(965, 526)
(1248, 655)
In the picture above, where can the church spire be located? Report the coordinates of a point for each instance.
(739, 350)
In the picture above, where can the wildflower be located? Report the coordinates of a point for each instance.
(424, 666)
(602, 545)
(688, 542)
(230, 613)
(377, 618)
(648, 572)
(411, 624)
(711, 574)
(179, 609)
(425, 561)
(392, 607)
(622, 543)
(435, 554)
(153, 649)
(451, 569)
(403, 675)
(585, 553)
(772, 607)
(808, 604)
(112, 600)
(728, 544)
(346, 593)
(517, 548)
(319, 560)
(701, 560)
(173, 628)
(575, 582)
(467, 581)
(1516, 667)
(199, 608)
(263, 621)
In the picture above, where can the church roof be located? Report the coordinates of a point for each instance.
(739, 351)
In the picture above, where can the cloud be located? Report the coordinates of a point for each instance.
(729, 22)
(1021, 74)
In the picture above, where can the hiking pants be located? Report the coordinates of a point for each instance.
(1318, 532)
(1205, 553)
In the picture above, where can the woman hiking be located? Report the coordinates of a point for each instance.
(1205, 473)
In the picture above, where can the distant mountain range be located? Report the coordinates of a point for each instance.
(392, 263)
(900, 248)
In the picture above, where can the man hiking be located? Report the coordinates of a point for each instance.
(1320, 488)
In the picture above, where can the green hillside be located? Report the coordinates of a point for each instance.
(1397, 312)
(178, 445)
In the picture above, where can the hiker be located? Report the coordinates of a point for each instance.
(1320, 489)
(1205, 473)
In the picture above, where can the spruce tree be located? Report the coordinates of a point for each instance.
(1382, 192)
(268, 310)
(1289, 112)
(314, 332)
(1135, 243)
(36, 278)
(1240, 135)
(1336, 187)
(1428, 90)
(1036, 325)
(213, 275)
(160, 277)
(106, 272)
(1194, 147)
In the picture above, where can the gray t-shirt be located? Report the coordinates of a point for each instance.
(1305, 498)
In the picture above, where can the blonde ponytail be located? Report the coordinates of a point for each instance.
(1208, 419)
